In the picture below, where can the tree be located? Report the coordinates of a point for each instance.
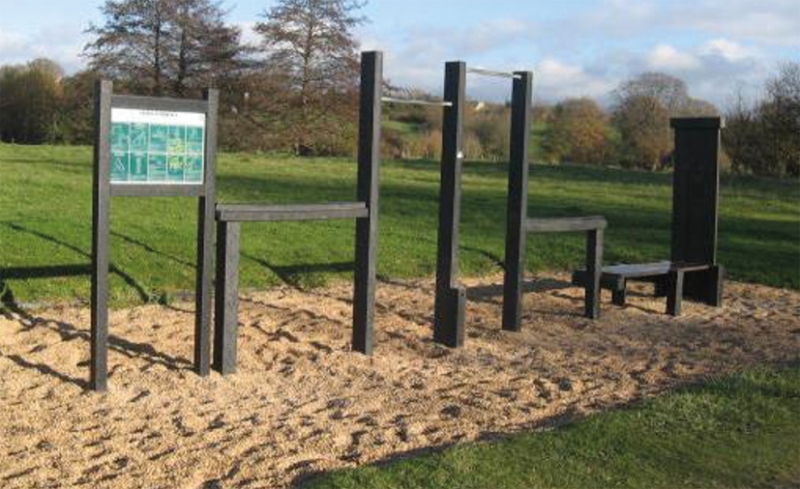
(642, 108)
(162, 47)
(30, 97)
(780, 114)
(577, 133)
(312, 43)
(643, 123)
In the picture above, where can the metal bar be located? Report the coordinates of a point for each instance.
(517, 210)
(158, 103)
(366, 253)
(495, 73)
(565, 224)
(157, 190)
(100, 235)
(594, 269)
(392, 100)
(205, 242)
(304, 212)
(450, 301)
(226, 297)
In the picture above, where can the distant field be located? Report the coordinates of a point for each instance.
(45, 223)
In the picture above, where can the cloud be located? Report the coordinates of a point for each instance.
(57, 42)
(666, 57)
(556, 80)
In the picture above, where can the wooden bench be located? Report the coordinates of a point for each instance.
(594, 227)
(668, 278)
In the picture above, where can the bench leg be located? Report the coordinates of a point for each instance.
(620, 296)
(594, 268)
(674, 293)
(226, 300)
(705, 286)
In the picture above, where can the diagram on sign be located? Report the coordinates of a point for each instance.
(158, 147)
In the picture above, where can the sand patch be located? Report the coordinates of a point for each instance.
(301, 402)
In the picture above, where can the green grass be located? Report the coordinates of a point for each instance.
(45, 223)
(737, 431)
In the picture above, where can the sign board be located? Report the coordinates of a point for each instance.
(152, 147)
(156, 146)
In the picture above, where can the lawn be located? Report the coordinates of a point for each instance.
(736, 431)
(45, 223)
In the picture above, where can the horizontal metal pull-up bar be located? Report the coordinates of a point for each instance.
(484, 71)
(392, 100)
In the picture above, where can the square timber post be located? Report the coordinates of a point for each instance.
(101, 204)
(449, 309)
(366, 255)
(205, 242)
(517, 211)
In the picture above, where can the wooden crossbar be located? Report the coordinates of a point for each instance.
(292, 212)
(565, 224)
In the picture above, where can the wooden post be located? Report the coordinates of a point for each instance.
(101, 203)
(594, 269)
(517, 210)
(450, 301)
(366, 254)
(205, 242)
(226, 322)
(695, 203)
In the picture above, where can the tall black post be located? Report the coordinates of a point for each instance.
(695, 204)
(101, 200)
(369, 133)
(205, 242)
(449, 308)
(517, 211)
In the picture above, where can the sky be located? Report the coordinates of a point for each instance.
(575, 47)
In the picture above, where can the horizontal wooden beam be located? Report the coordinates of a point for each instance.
(565, 224)
(157, 190)
(291, 212)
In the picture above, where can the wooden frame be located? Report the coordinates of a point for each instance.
(364, 211)
(103, 190)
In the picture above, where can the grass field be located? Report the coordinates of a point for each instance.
(45, 223)
(737, 431)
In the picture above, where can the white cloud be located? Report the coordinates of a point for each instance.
(730, 50)
(666, 57)
(556, 79)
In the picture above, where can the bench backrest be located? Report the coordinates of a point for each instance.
(695, 192)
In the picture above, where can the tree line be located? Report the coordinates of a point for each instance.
(296, 90)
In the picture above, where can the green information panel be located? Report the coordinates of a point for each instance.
(157, 147)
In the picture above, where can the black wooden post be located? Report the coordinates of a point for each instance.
(101, 197)
(517, 210)
(369, 133)
(594, 269)
(450, 303)
(226, 299)
(205, 242)
(695, 202)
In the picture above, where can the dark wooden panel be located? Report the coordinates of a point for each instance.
(695, 190)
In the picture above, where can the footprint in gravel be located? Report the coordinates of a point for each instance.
(451, 411)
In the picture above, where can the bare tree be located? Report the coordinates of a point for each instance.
(312, 43)
(164, 46)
